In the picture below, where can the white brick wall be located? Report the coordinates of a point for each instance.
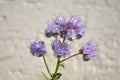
(22, 21)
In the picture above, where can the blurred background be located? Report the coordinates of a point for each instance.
(23, 21)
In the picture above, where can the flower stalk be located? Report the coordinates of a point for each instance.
(47, 66)
(56, 70)
(69, 57)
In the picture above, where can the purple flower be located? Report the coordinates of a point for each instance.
(75, 27)
(71, 30)
(59, 20)
(52, 29)
(88, 51)
(80, 29)
(55, 27)
(37, 48)
(61, 49)
(74, 20)
(71, 34)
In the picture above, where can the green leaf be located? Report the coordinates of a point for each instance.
(62, 65)
(45, 77)
(57, 76)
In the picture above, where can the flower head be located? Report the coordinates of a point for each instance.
(71, 29)
(37, 48)
(52, 29)
(88, 51)
(55, 27)
(61, 49)
(74, 24)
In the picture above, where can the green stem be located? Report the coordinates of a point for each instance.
(69, 57)
(47, 66)
(57, 67)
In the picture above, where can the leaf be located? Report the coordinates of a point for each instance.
(57, 76)
(62, 65)
(45, 77)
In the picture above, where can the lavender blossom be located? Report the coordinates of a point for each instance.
(71, 34)
(61, 49)
(74, 24)
(37, 48)
(52, 29)
(74, 20)
(55, 27)
(71, 30)
(88, 51)
(59, 20)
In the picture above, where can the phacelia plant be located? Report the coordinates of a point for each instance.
(63, 31)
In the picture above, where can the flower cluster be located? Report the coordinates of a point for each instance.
(63, 30)
(37, 48)
(61, 49)
(71, 29)
(88, 51)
